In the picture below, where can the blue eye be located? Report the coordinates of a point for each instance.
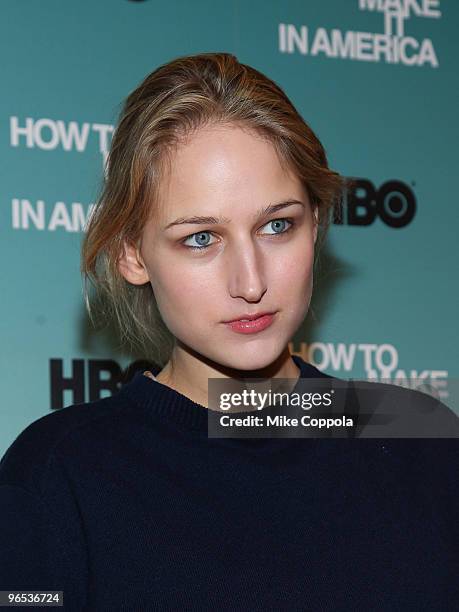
(203, 241)
(278, 222)
(201, 238)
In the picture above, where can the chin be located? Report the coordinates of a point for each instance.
(250, 358)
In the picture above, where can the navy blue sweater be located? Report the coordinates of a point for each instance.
(126, 504)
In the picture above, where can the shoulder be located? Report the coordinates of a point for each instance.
(26, 461)
(386, 410)
(396, 411)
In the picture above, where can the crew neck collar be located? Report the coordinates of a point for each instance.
(169, 405)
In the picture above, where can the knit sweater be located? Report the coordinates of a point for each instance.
(126, 503)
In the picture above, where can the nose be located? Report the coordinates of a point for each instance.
(246, 268)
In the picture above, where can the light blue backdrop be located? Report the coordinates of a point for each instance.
(388, 293)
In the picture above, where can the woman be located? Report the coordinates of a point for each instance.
(216, 198)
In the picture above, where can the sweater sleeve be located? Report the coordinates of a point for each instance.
(42, 540)
(34, 554)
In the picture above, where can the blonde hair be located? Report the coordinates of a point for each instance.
(170, 103)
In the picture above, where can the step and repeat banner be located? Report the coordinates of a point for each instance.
(378, 82)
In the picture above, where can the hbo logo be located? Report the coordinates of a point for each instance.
(394, 203)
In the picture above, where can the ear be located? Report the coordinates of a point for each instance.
(315, 220)
(132, 266)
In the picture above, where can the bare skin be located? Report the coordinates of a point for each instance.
(251, 264)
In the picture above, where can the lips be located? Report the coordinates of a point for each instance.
(249, 317)
(252, 326)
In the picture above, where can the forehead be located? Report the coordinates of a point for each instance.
(225, 164)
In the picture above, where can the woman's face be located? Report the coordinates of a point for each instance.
(244, 261)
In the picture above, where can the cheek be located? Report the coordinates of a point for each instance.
(293, 270)
(293, 284)
(182, 295)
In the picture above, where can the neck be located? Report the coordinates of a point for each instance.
(188, 373)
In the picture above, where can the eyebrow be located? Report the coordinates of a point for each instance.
(199, 220)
